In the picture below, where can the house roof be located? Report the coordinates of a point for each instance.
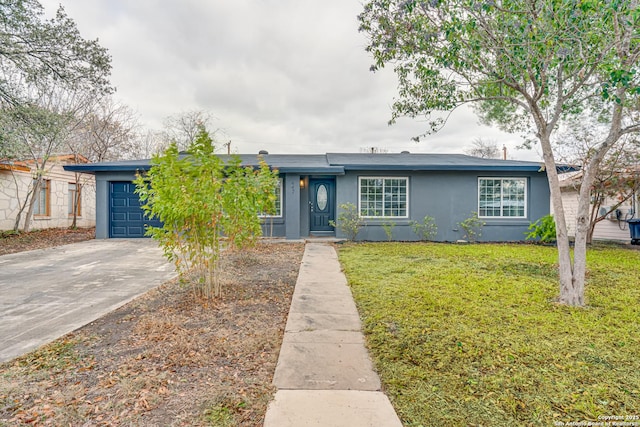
(295, 163)
(338, 163)
(25, 165)
(14, 165)
(425, 162)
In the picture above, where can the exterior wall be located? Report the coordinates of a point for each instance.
(607, 229)
(102, 199)
(448, 197)
(304, 209)
(59, 180)
(275, 227)
(291, 193)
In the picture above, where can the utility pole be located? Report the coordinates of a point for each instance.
(228, 145)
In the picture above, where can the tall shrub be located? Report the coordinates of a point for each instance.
(203, 203)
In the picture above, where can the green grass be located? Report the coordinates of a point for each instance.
(466, 335)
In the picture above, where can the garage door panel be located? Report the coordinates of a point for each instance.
(126, 217)
(120, 187)
(118, 231)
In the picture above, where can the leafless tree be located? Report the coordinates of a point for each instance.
(618, 178)
(107, 131)
(37, 130)
(145, 145)
(484, 149)
(183, 128)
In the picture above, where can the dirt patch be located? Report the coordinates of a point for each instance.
(39, 239)
(165, 359)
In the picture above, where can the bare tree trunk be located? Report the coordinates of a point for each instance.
(16, 224)
(76, 199)
(592, 230)
(21, 205)
(595, 208)
(36, 190)
(565, 265)
(575, 294)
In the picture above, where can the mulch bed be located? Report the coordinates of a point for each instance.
(39, 239)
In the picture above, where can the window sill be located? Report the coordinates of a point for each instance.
(382, 221)
(270, 219)
(505, 221)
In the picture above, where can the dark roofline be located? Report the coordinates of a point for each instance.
(338, 163)
(507, 168)
(369, 167)
(328, 170)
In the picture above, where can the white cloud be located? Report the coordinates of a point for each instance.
(283, 75)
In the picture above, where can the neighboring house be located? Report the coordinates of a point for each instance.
(614, 227)
(55, 201)
(507, 194)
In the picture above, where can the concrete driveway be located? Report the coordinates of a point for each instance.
(47, 293)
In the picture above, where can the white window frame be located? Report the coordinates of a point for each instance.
(281, 198)
(505, 178)
(383, 178)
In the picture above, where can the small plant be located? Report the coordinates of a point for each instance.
(9, 233)
(388, 227)
(225, 410)
(472, 227)
(427, 229)
(349, 221)
(544, 230)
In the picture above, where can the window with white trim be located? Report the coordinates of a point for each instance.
(502, 197)
(277, 213)
(383, 197)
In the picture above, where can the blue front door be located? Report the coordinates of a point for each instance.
(322, 203)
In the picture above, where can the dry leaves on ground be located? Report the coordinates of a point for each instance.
(39, 239)
(165, 359)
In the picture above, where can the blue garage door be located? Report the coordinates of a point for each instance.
(126, 218)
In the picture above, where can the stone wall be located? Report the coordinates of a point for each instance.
(58, 216)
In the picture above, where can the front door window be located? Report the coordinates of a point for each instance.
(321, 197)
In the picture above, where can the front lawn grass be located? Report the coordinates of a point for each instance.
(470, 335)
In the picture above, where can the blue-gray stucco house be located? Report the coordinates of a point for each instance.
(508, 195)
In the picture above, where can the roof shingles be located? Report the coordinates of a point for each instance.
(338, 163)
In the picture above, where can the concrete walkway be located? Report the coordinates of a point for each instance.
(47, 293)
(324, 374)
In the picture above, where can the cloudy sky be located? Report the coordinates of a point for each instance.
(288, 76)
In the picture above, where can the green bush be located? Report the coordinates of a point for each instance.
(349, 221)
(472, 227)
(388, 227)
(427, 229)
(543, 230)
